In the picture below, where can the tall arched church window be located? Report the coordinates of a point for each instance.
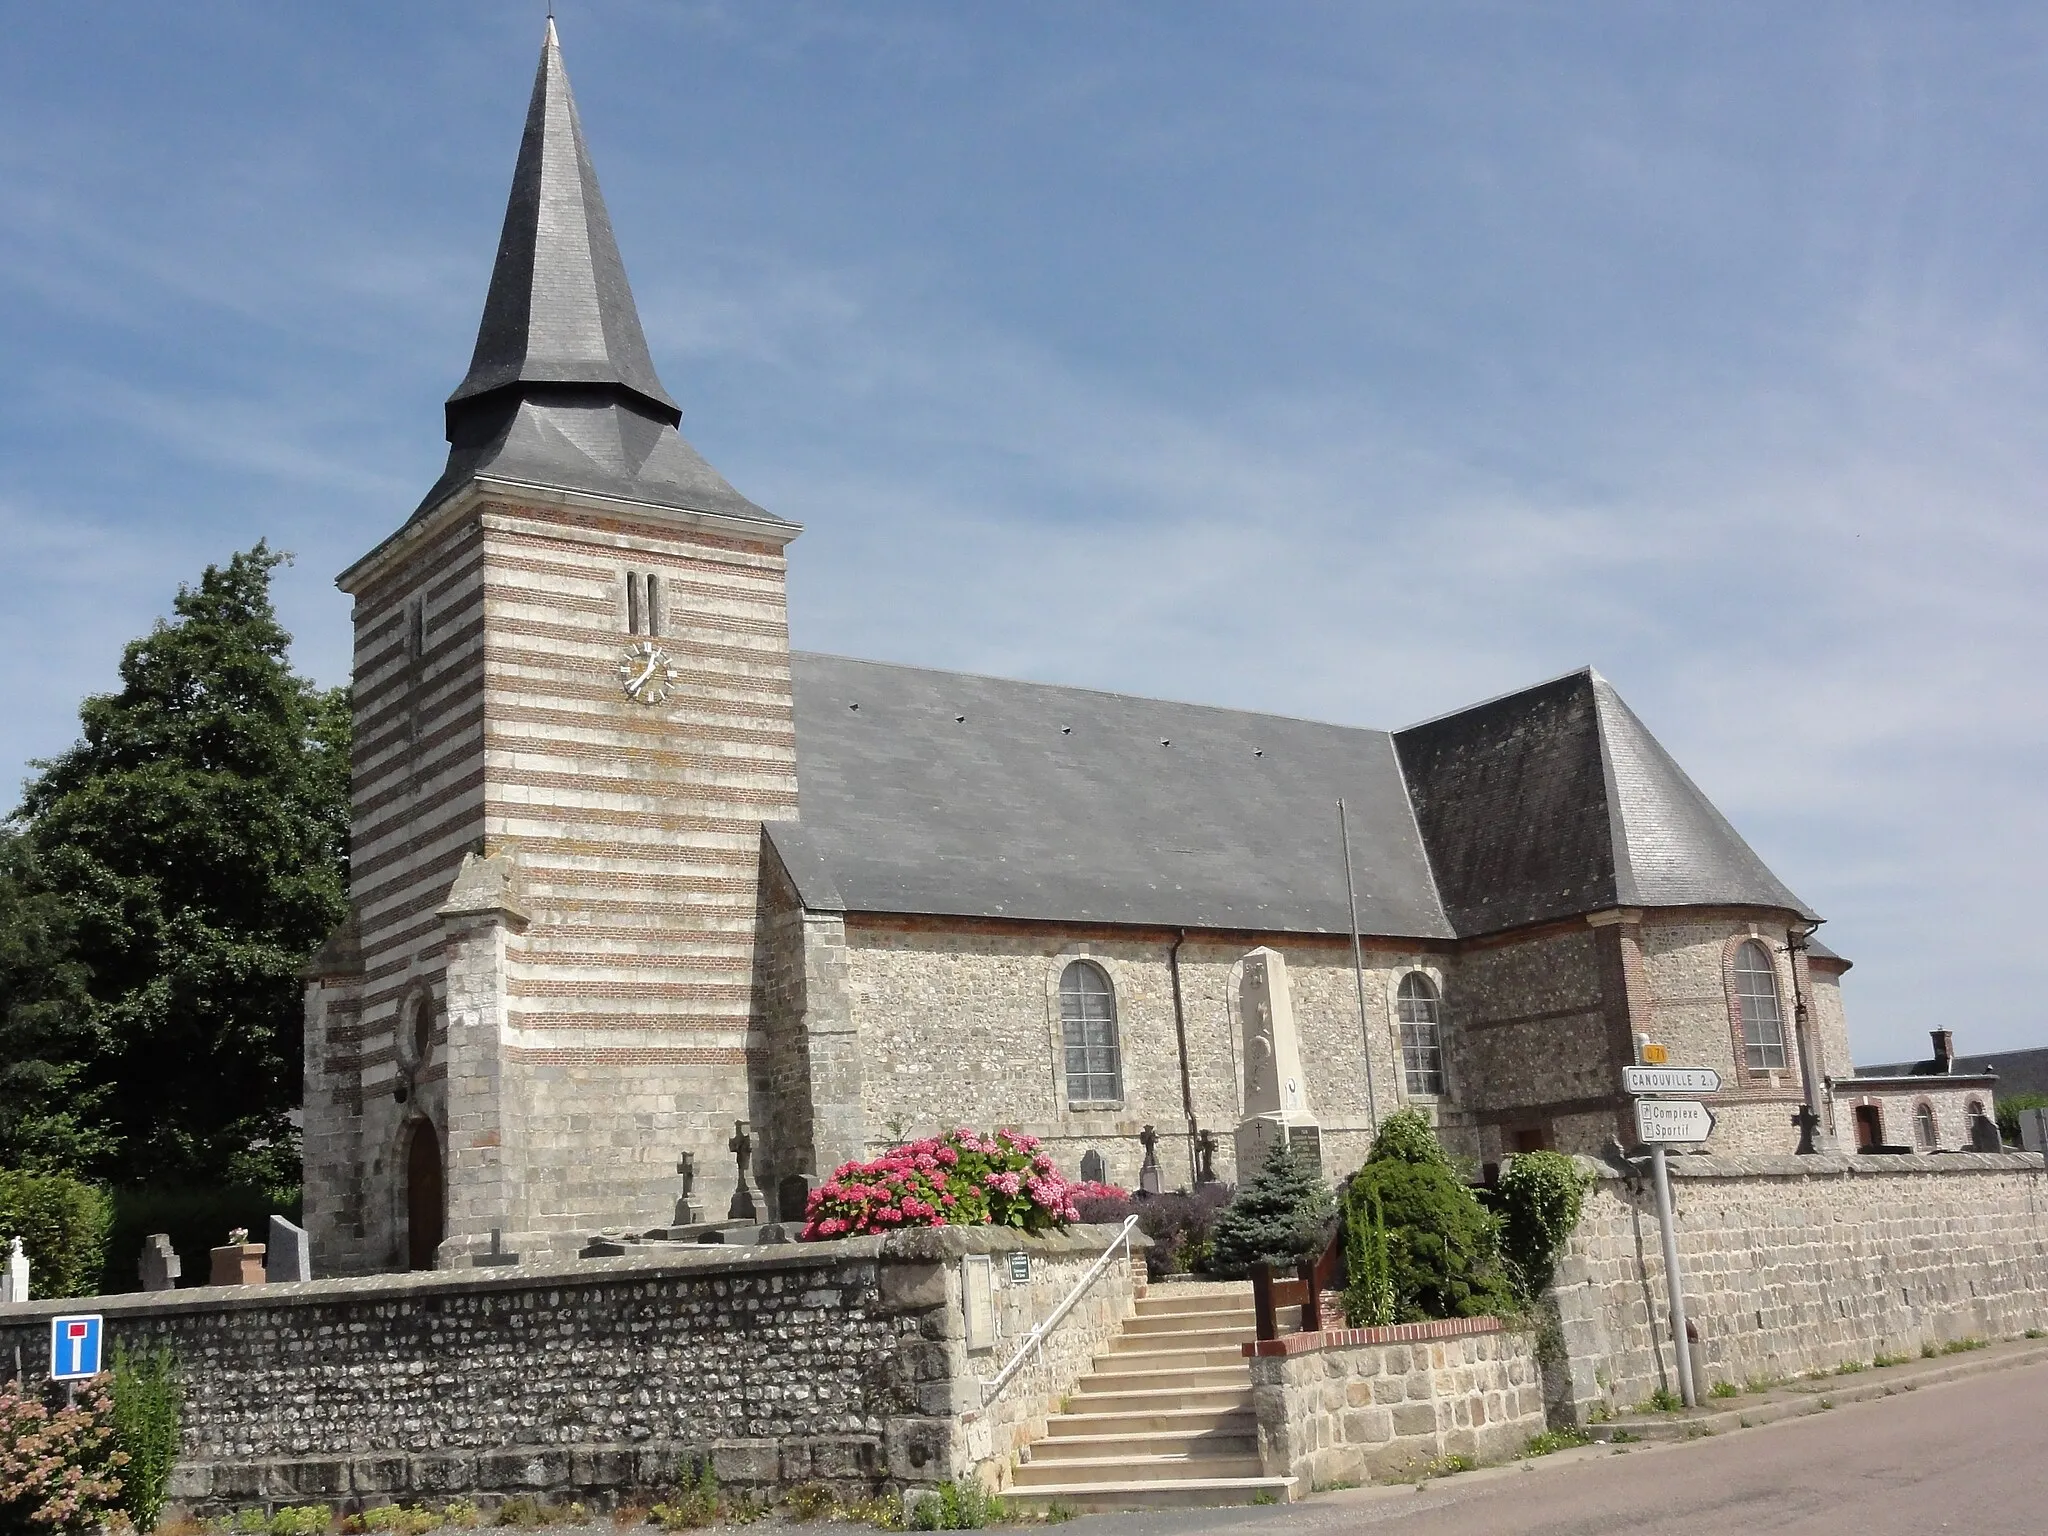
(1756, 1001)
(1422, 1038)
(1088, 1030)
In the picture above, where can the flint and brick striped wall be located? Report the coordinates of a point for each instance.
(624, 1032)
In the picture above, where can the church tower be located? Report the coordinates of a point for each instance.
(572, 715)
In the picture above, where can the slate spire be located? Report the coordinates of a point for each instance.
(561, 392)
(560, 310)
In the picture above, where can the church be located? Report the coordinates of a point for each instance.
(627, 872)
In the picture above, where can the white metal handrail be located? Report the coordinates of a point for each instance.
(1036, 1343)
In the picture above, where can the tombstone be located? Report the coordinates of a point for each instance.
(1150, 1180)
(793, 1198)
(1093, 1169)
(688, 1212)
(1809, 1124)
(746, 1199)
(237, 1262)
(1276, 1104)
(159, 1267)
(291, 1253)
(1984, 1135)
(1205, 1158)
(14, 1280)
(498, 1255)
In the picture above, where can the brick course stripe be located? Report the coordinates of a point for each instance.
(1353, 1338)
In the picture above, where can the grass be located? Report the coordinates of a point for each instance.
(1724, 1389)
(961, 1506)
(1057, 1513)
(1448, 1466)
(2035, 1333)
(1880, 1360)
(808, 1501)
(1265, 1496)
(1663, 1400)
(1963, 1346)
(1827, 1402)
(1850, 1367)
(1552, 1441)
(1623, 1436)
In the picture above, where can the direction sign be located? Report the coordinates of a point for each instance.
(74, 1347)
(1661, 1122)
(1670, 1080)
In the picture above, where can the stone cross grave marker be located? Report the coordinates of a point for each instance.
(159, 1267)
(14, 1281)
(1150, 1180)
(688, 1212)
(746, 1200)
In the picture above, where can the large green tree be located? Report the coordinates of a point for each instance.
(196, 837)
(51, 1118)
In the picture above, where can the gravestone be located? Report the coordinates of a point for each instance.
(793, 1198)
(159, 1267)
(291, 1254)
(14, 1280)
(688, 1212)
(1150, 1180)
(746, 1199)
(497, 1255)
(1205, 1157)
(1984, 1135)
(1093, 1169)
(236, 1262)
(1276, 1104)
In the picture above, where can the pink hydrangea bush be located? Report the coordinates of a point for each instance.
(59, 1471)
(961, 1179)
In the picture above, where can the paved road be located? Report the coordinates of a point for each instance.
(1970, 1456)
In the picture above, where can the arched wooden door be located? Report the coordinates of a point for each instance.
(424, 1204)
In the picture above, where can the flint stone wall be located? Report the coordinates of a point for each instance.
(1366, 1404)
(1798, 1264)
(842, 1362)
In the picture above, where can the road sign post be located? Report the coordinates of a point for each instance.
(1672, 1122)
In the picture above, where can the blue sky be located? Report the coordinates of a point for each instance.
(1352, 361)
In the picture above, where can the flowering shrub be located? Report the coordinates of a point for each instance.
(1087, 1191)
(961, 1179)
(59, 1471)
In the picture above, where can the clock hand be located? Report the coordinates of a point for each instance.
(646, 672)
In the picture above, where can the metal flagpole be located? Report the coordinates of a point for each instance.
(1372, 1108)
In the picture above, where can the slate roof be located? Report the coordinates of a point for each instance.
(2016, 1071)
(1556, 801)
(956, 795)
(561, 390)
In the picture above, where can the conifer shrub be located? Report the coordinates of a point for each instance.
(1442, 1246)
(62, 1223)
(1369, 1299)
(1278, 1216)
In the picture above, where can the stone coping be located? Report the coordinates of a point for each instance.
(1697, 1165)
(1353, 1338)
(920, 1245)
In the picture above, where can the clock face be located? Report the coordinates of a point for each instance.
(647, 673)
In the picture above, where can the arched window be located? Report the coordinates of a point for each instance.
(1422, 1037)
(1756, 1001)
(1923, 1126)
(1088, 1029)
(422, 1030)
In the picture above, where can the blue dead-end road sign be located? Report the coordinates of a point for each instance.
(75, 1347)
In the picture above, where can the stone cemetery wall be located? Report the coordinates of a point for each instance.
(1798, 1264)
(1378, 1404)
(845, 1363)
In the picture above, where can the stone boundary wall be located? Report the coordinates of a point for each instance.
(1798, 1264)
(1356, 1404)
(842, 1362)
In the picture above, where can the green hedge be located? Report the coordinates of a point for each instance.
(63, 1223)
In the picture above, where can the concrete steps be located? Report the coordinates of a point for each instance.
(1163, 1420)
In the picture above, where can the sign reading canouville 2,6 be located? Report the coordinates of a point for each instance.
(1670, 1080)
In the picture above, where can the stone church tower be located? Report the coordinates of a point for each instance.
(572, 715)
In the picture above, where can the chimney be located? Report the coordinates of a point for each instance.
(1944, 1051)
